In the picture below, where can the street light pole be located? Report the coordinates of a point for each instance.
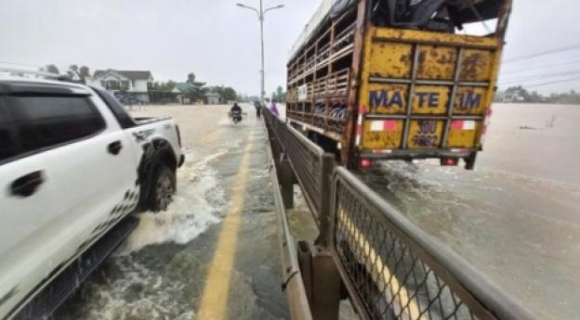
(262, 82)
(261, 13)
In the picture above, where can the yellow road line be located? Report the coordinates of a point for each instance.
(210, 138)
(216, 291)
(379, 270)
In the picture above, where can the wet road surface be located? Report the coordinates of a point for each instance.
(516, 218)
(213, 254)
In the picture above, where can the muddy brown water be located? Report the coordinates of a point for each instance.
(516, 218)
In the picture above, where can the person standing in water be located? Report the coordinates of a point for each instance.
(258, 106)
(274, 108)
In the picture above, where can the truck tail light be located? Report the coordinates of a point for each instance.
(366, 163)
(449, 162)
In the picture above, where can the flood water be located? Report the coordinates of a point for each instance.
(516, 217)
(161, 272)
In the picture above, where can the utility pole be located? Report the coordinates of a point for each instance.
(261, 13)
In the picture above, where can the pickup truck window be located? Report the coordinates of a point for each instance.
(6, 141)
(122, 116)
(46, 121)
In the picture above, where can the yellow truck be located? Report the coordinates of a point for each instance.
(397, 79)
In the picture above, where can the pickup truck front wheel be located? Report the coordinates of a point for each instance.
(163, 189)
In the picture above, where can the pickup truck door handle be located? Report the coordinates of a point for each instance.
(27, 185)
(139, 136)
(115, 147)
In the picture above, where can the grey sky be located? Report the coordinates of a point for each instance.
(220, 42)
(537, 26)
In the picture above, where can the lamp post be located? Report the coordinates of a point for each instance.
(261, 13)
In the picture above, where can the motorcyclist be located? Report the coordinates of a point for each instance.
(236, 108)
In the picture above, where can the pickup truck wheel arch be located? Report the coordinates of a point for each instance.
(155, 153)
(162, 188)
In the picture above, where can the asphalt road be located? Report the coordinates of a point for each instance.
(214, 253)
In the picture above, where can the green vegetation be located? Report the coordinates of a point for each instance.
(52, 69)
(192, 89)
(521, 94)
(279, 95)
(226, 93)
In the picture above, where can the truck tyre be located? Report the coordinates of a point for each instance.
(162, 188)
(470, 161)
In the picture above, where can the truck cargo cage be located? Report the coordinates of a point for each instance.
(397, 79)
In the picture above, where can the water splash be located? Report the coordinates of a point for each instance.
(140, 294)
(196, 205)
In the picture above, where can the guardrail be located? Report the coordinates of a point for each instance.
(390, 268)
(397, 271)
(293, 283)
(277, 126)
(310, 164)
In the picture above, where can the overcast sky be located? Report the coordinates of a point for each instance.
(219, 42)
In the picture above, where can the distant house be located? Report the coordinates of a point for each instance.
(128, 85)
(212, 98)
(511, 96)
(181, 89)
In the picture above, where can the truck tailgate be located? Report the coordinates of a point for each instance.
(425, 92)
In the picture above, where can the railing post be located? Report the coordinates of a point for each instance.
(322, 282)
(293, 284)
(276, 147)
(286, 176)
(324, 215)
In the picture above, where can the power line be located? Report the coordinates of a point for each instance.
(539, 54)
(19, 64)
(508, 73)
(551, 82)
(539, 77)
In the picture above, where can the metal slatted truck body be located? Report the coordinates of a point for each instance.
(367, 88)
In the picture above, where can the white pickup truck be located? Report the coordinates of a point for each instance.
(73, 166)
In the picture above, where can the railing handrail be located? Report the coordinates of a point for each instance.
(293, 281)
(489, 294)
(312, 147)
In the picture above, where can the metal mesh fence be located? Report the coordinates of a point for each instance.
(392, 277)
(305, 157)
(278, 126)
(307, 165)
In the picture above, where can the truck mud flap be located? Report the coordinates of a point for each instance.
(69, 280)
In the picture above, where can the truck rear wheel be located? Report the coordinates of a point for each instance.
(470, 161)
(162, 189)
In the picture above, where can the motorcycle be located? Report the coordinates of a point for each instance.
(236, 116)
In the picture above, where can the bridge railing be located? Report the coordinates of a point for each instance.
(310, 164)
(292, 283)
(390, 268)
(394, 270)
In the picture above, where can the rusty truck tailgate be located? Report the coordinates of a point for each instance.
(424, 94)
